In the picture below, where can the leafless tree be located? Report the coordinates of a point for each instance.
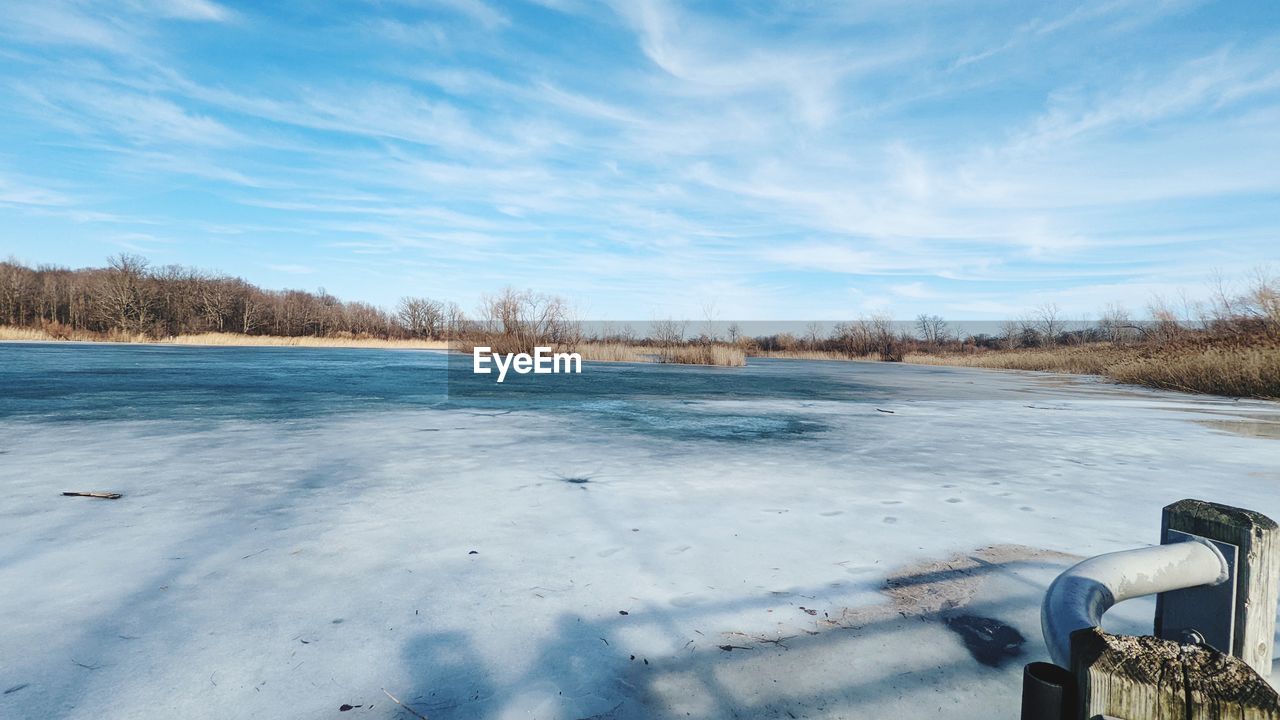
(932, 329)
(421, 317)
(668, 332)
(1011, 334)
(1048, 324)
(1165, 323)
(522, 320)
(123, 296)
(709, 317)
(1115, 325)
(16, 285)
(814, 334)
(735, 332)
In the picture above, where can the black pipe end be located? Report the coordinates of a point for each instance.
(1048, 692)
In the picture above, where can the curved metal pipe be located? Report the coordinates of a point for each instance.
(1048, 692)
(1078, 597)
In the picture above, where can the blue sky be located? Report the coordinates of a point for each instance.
(645, 158)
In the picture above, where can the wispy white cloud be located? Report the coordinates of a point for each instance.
(201, 10)
(673, 152)
(1203, 85)
(60, 23)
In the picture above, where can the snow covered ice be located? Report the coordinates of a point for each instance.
(302, 528)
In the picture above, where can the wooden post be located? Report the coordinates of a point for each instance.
(1258, 571)
(1146, 678)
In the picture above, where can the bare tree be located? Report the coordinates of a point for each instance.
(15, 292)
(735, 332)
(1261, 302)
(218, 299)
(521, 320)
(455, 320)
(1115, 325)
(886, 342)
(814, 334)
(1048, 323)
(123, 297)
(668, 332)
(420, 317)
(853, 338)
(932, 329)
(1011, 334)
(1165, 324)
(709, 317)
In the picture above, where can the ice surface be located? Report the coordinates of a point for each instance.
(298, 528)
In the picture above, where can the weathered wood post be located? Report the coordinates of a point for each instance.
(1177, 676)
(1146, 678)
(1257, 573)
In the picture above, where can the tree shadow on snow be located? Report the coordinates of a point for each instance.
(949, 632)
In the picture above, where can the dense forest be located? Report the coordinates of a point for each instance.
(129, 296)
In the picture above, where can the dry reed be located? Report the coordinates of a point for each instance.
(17, 334)
(1235, 369)
(812, 355)
(708, 354)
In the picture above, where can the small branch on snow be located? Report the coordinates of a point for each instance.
(408, 709)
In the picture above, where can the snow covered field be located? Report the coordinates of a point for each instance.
(302, 528)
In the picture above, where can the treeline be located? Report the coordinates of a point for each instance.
(131, 297)
(1243, 318)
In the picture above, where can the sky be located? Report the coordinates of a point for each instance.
(648, 158)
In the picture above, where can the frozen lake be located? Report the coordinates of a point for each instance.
(302, 528)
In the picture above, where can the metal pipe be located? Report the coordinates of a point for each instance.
(1048, 692)
(1078, 597)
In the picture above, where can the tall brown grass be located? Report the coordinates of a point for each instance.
(1252, 371)
(8, 332)
(799, 354)
(22, 334)
(56, 332)
(1084, 360)
(703, 354)
(1220, 366)
(236, 339)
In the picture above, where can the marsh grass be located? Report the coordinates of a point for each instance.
(1087, 360)
(236, 339)
(22, 334)
(1235, 367)
(8, 332)
(55, 332)
(797, 354)
(1252, 371)
(702, 354)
